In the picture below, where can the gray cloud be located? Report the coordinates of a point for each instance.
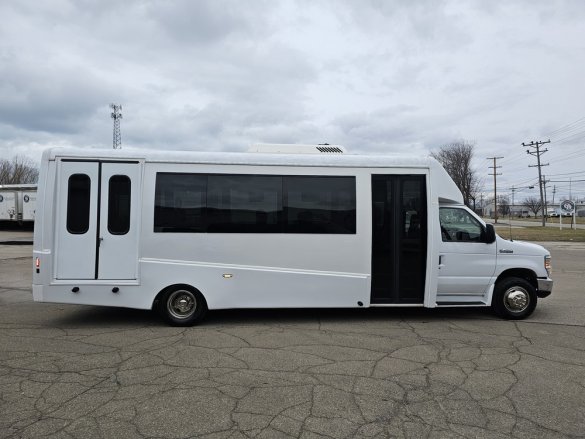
(57, 100)
(187, 22)
(376, 76)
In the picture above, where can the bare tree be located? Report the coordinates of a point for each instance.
(533, 204)
(456, 159)
(503, 205)
(19, 170)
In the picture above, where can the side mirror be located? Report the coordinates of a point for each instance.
(490, 234)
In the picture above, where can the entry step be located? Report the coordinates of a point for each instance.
(462, 303)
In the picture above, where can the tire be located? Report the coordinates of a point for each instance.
(182, 305)
(514, 298)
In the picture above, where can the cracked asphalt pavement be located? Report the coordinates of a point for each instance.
(69, 371)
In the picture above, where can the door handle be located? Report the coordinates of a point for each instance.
(441, 261)
(100, 239)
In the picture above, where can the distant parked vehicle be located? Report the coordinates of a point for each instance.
(18, 202)
(555, 213)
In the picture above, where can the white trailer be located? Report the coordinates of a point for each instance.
(185, 232)
(18, 202)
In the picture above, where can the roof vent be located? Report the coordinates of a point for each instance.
(334, 149)
(284, 148)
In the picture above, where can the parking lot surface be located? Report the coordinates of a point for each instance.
(70, 371)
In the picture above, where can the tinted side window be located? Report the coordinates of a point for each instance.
(119, 205)
(223, 203)
(78, 198)
(458, 225)
(180, 201)
(412, 207)
(244, 204)
(320, 204)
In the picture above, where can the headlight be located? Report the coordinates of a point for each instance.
(547, 264)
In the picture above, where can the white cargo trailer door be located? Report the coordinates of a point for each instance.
(76, 220)
(8, 206)
(118, 222)
(29, 201)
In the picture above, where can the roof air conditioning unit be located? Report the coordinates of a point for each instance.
(284, 148)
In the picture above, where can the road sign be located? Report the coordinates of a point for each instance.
(567, 206)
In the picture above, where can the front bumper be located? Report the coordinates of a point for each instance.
(544, 287)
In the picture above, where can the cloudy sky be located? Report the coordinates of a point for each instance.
(375, 76)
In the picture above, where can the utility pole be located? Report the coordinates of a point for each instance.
(116, 115)
(554, 191)
(495, 186)
(538, 152)
(513, 189)
(544, 182)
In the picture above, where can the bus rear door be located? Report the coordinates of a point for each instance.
(97, 220)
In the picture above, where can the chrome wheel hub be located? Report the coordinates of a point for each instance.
(516, 299)
(181, 304)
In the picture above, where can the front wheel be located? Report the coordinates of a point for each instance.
(182, 305)
(514, 298)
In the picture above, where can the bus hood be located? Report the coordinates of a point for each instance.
(521, 247)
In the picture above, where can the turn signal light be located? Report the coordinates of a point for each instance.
(547, 264)
(38, 263)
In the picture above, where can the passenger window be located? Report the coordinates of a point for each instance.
(244, 204)
(458, 225)
(78, 199)
(119, 205)
(226, 203)
(412, 207)
(179, 204)
(320, 204)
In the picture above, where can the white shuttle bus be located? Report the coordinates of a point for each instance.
(185, 232)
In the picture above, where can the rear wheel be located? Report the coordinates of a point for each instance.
(182, 305)
(514, 298)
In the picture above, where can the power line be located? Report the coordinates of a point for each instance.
(524, 184)
(567, 173)
(512, 158)
(571, 156)
(567, 127)
(571, 137)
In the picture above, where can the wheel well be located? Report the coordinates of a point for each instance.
(176, 286)
(522, 273)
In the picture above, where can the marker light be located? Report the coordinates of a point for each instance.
(547, 264)
(37, 263)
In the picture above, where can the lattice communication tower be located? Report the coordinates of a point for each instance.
(117, 115)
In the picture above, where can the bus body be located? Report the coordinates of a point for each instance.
(184, 232)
